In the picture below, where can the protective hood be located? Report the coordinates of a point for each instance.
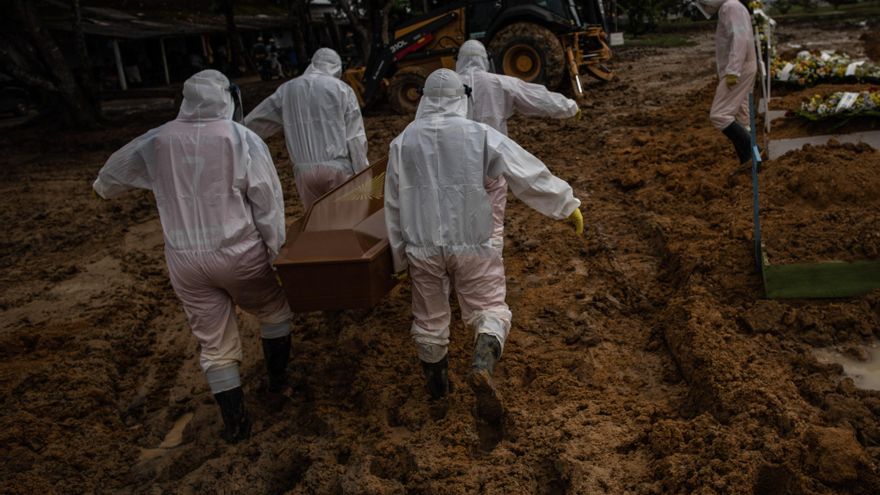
(472, 55)
(327, 62)
(709, 7)
(206, 96)
(444, 95)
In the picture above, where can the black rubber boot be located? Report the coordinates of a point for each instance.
(437, 377)
(236, 423)
(488, 401)
(742, 141)
(487, 350)
(276, 352)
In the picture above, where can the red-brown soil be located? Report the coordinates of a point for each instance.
(642, 359)
(822, 203)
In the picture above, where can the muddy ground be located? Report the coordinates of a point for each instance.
(643, 358)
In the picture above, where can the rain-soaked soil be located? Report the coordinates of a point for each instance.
(643, 358)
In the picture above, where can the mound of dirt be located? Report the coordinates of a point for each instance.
(871, 40)
(822, 203)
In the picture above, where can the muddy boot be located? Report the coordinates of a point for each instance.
(236, 423)
(488, 400)
(276, 352)
(437, 378)
(742, 141)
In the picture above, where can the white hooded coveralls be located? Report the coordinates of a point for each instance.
(222, 215)
(495, 98)
(322, 126)
(734, 54)
(439, 214)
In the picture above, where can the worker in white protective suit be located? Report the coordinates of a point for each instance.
(322, 125)
(494, 99)
(222, 214)
(439, 219)
(736, 62)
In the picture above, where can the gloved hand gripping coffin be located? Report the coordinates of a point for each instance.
(338, 256)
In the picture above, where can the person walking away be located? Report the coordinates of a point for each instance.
(222, 215)
(322, 126)
(274, 62)
(736, 64)
(439, 219)
(494, 99)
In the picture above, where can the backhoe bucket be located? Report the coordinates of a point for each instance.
(586, 53)
(355, 79)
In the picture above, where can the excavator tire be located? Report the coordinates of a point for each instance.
(530, 52)
(403, 90)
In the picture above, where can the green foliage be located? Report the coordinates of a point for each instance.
(669, 40)
(644, 15)
(838, 3)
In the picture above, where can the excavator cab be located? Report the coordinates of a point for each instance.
(545, 42)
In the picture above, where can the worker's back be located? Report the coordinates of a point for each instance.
(496, 97)
(199, 179)
(315, 107)
(444, 202)
(200, 168)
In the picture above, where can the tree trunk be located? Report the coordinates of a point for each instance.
(334, 32)
(78, 110)
(236, 46)
(386, 11)
(87, 81)
(294, 13)
(365, 38)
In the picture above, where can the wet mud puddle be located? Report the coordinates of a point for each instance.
(861, 363)
(172, 439)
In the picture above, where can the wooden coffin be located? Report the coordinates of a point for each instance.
(337, 256)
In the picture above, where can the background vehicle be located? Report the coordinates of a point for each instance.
(542, 42)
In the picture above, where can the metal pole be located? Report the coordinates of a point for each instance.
(120, 71)
(756, 202)
(164, 61)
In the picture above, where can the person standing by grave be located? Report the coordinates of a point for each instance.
(737, 66)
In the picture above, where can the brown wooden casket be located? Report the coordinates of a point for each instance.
(338, 256)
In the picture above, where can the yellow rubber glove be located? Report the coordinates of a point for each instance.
(577, 220)
(578, 116)
(731, 79)
(400, 276)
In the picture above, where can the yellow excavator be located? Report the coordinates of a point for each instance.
(545, 42)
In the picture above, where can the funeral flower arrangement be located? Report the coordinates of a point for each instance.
(763, 25)
(842, 105)
(810, 68)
